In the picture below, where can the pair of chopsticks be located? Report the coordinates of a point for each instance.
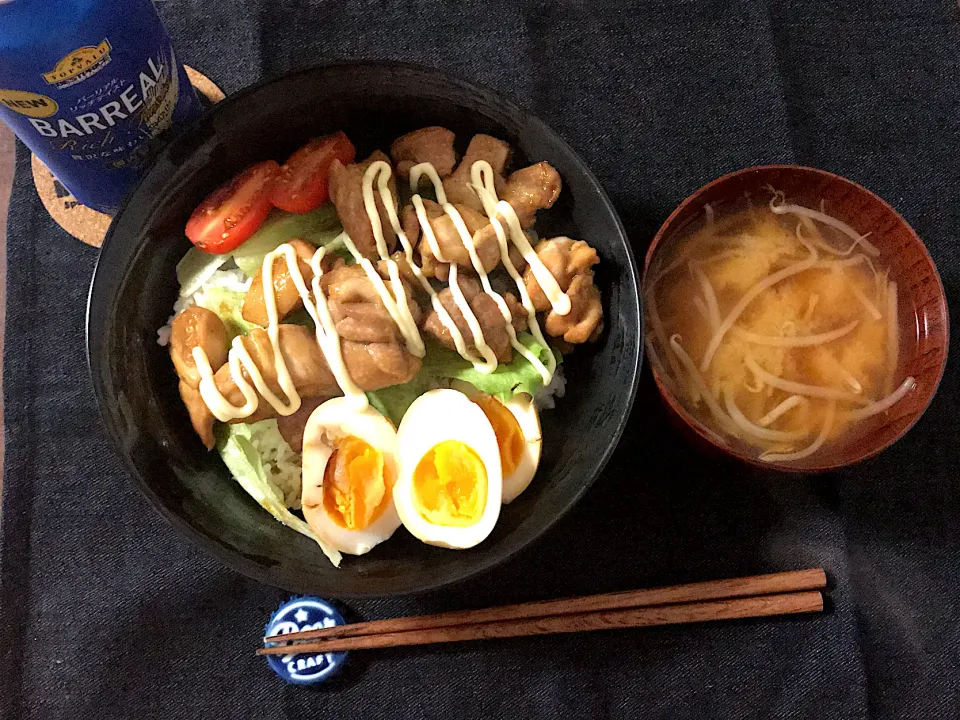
(784, 593)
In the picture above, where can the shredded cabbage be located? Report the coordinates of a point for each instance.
(261, 461)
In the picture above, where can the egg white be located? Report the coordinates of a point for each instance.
(435, 417)
(525, 412)
(334, 419)
(522, 408)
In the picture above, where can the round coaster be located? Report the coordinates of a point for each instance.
(297, 615)
(80, 221)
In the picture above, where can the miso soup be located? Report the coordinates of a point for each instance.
(776, 326)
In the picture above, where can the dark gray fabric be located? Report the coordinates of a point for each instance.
(105, 612)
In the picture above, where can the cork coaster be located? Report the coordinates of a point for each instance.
(82, 222)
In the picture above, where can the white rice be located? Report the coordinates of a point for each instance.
(545, 399)
(282, 464)
(229, 279)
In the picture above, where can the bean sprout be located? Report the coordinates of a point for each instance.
(797, 340)
(713, 308)
(811, 306)
(657, 365)
(798, 388)
(810, 449)
(818, 239)
(864, 300)
(791, 323)
(758, 431)
(660, 333)
(779, 206)
(882, 405)
(782, 409)
(752, 294)
(725, 422)
(701, 307)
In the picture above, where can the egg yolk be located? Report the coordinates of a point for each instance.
(450, 485)
(355, 484)
(510, 438)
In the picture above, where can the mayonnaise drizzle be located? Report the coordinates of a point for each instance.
(394, 299)
(239, 359)
(411, 337)
(327, 337)
(381, 171)
(221, 408)
(490, 358)
(397, 305)
(416, 172)
(425, 168)
(273, 330)
(482, 176)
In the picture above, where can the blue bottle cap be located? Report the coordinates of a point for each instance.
(296, 615)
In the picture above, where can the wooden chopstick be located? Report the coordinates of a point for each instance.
(730, 609)
(793, 581)
(785, 582)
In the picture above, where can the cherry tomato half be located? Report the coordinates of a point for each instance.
(302, 184)
(234, 211)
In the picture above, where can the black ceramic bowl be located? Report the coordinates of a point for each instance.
(134, 289)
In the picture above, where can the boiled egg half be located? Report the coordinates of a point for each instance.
(517, 427)
(449, 488)
(349, 476)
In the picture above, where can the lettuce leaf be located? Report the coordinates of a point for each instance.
(228, 304)
(441, 365)
(237, 445)
(195, 268)
(318, 226)
(517, 376)
(392, 402)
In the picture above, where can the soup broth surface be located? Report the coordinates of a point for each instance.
(776, 326)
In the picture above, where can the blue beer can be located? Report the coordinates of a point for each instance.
(89, 86)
